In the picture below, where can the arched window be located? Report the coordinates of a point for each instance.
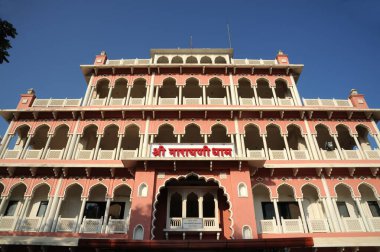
(165, 134)
(192, 205)
(162, 60)
(138, 233)
(274, 139)
(206, 60)
(176, 205)
(208, 206)
(346, 141)
(242, 190)
(324, 138)
(143, 190)
(191, 60)
(192, 134)
(220, 60)
(247, 233)
(177, 60)
(219, 134)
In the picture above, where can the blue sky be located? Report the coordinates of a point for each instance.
(338, 41)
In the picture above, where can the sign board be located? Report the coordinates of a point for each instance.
(192, 150)
(192, 223)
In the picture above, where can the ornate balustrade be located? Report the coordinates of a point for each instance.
(66, 224)
(85, 154)
(266, 101)
(8, 223)
(136, 101)
(269, 226)
(31, 224)
(292, 225)
(247, 101)
(91, 225)
(216, 101)
(374, 223)
(256, 154)
(330, 155)
(278, 154)
(327, 102)
(352, 224)
(117, 226)
(98, 102)
(299, 154)
(192, 101)
(285, 101)
(106, 154)
(126, 154)
(372, 154)
(57, 102)
(167, 101)
(318, 225)
(351, 154)
(54, 154)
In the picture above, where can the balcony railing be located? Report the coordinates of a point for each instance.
(126, 154)
(57, 102)
(292, 225)
(8, 223)
(33, 154)
(206, 224)
(31, 224)
(136, 101)
(85, 154)
(217, 101)
(256, 154)
(266, 101)
(167, 101)
(55, 154)
(12, 154)
(192, 101)
(98, 102)
(353, 224)
(285, 102)
(299, 154)
(318, 225)
(91, 225)
(66, 224)
(351, 154)
(327, 102)
(372, 154)
(106, 154)
(268, 226)
(117, 101)
(374, 223)
(278, 154)
(330, 155)
(247, 101)
(119, 226)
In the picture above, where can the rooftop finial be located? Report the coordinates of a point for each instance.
(31, 91)
(280, 52)
(103, 53)
(354, 92)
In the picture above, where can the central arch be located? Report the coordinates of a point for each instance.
(192, 179)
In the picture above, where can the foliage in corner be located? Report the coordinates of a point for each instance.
(6, 30)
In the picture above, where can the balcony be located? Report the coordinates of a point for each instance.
(66, 225)
(8, 223)
(327, 102)
(193, 224)
(330, 155)
(92, 226)
(285, 102)
(247, 101)
(98, 102)
(192, 101)
(136, 101)
(266, 101)
(292, 225)
(256, 154)
(353, 224)
(167, 101)
(318, 225)
(106, 154)
(126, 154)
(33, 154)
(299, 154)
(117, 101)
(31, 224)
(278, 155)
(269, 226)
(117, 226)
(85, 154)
(54, 154)
(216, 101)
(12, 154)
(57, 102)
(374, 223)
(352, 154)
(372, 154)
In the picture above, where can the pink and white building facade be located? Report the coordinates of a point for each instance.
(190, 149)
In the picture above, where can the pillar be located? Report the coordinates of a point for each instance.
(228, 96)
(341, 225)
(265, 146)
(55, 219)
(200, 207)
(318, 149)
(26, 146)
(361, 212)
(140, 145)
(295, 89)
(128, 95)
(97, 147)
(53, 210)
(67, 146)
(359, 146)
(88, 91)
(256, 96)
(118, 148)
(145, 144)
(46, 146)
(309, 149)
(274, 96)
(180, 96)
(109, 95)
(238, 138)
(313, 147)
(277, 215)
(204, 95)
(74, 141)
(330, 206)
(243, 145)
(81, 213)
(304, 223)
(4, 200)
(106, 214)
(156, 95)
(178, 138)
(5, 143)
(338, 146)
(150, 100)
(328, 215)
(287, 147)
(233, 93)
(23, 213)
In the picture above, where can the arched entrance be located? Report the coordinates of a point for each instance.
(192, 207)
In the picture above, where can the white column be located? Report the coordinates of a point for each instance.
(233, 94)
(287, 147)
(90, 96)
(4, 200)
(338, 146)
(255, 93)
(7, 139)
(128, 95)
(156, 96)
(200, 206)
(140, 145)
(361, 212)
(341, 225)
(147, 88)
(23, 213)
(145, 144)
(274, 96)
(56, 214)
(109, 95)
(243, 145)
(184, 212)
(295, 101)
(44, 218)
(106, 214)
(238, 139)
(50, 214)
(205, 138)
(118, 146)
(216, 211)
(46, 146)
(319, 153)
(81, 213)
(74, 141)
(265, 145)
(236, 95)
(88, 91)
(309, 150)
(376, 140)
(168, 210)
(150, 100)
(233, 143)
(74, 151)
(330, 206)
(278, 220)
(295, 89)
(359, 146)
(328, 215)
(204, 95)
(304, 223)
(97, 147)
(67, 146)
(228, 95)
(180, 96)
(313, 148)
(178, 138)
(26, 146)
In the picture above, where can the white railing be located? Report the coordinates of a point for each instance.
(299, 154)
(318, 225)
(192, 101)
(285, 102)
(266, 101)
(31, 224)
(372, 154)
(33, 154)
(12, 154)
(327, 102)
(136, 101)
(374, 223)
(117, 101)
(247, 101)
(85, 154)
(91, 225)
(278, 154)
(106, 154)
(54, 154)
(175, 223)
(209, 223)
(57, 102)
(351, 154)
(66, 224)
(256, 154)
(292, 225)
(330, 155)
(117, 226)
(353, 224)
(98, 102)
(167, 101)
(268, 226)
(8, 223)
(216, 101)
(126, 154)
